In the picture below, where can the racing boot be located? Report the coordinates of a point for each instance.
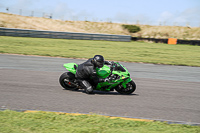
(86, 86)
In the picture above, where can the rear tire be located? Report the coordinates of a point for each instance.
(130, 88)
(66, 79)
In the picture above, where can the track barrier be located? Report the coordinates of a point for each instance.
(156, 40)
(62, 35)
(172, 41)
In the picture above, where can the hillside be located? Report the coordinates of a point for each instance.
(36, 23)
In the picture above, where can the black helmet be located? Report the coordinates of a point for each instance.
(98, 61)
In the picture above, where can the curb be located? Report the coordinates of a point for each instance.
(112, 117)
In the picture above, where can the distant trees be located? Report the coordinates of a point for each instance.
(132, 28)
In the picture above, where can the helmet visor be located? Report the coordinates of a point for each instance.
(100, 64)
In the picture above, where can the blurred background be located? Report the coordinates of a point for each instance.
(157, 19)
(146, 12)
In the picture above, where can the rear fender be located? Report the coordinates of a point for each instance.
(71, 67)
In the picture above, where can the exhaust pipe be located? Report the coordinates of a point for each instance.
(72, 83)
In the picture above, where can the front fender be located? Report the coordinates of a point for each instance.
(126, 81)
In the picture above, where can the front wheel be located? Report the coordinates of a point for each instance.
(130, 88)
(66, 80)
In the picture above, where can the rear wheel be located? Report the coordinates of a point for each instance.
(130, 88)
(66, 80)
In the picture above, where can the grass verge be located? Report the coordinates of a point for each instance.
(155, 53)
(49, 122)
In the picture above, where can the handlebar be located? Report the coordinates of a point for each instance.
(113, 65)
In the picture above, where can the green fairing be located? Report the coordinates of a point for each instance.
(103, 73)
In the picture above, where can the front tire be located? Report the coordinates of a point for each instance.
(66, 79)
(130, 88)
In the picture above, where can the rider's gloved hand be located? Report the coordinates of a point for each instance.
(108, 63)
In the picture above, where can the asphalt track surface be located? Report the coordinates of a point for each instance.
(163, 92)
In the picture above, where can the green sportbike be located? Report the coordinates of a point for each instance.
(119, 76)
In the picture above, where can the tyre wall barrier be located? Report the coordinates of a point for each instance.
(62, 35)
(190, 42)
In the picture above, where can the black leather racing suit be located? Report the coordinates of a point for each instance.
(87, 72)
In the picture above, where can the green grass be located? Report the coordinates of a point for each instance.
(48, 122)
(119, 51)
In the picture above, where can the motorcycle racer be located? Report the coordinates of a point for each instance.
(94, 75)
(87, 72)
